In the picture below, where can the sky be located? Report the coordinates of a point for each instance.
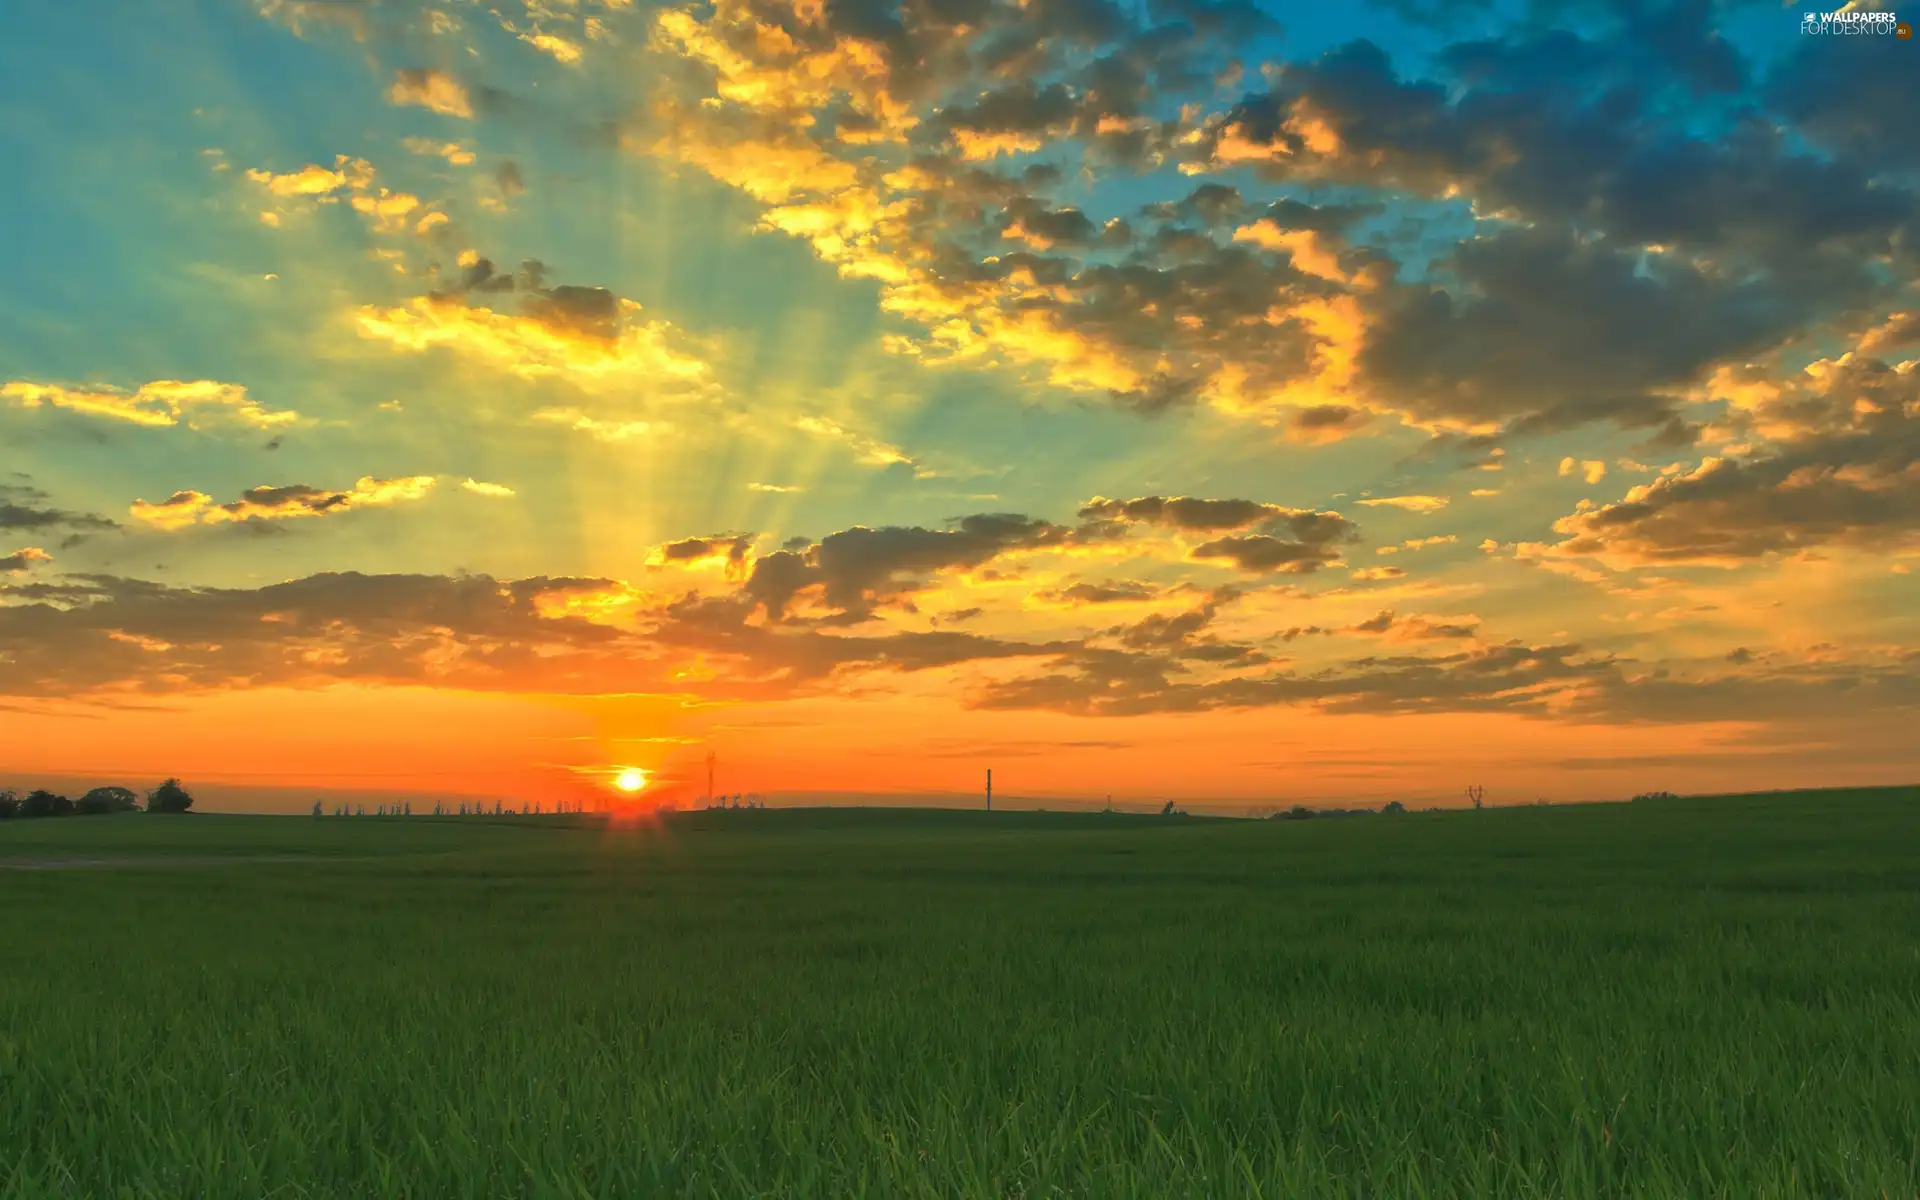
(1246, 404)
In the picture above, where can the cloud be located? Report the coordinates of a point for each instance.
(1414, 504)
(587, 337)
(856, 569)
(352, 180)
(1845, 470)
(602, 430)
(1592, 470)
(1259, 553)
(431, 88)
(478, 488)
(729, 550)
(1185, 512)
(23, 559)
(1415, 628)
(458, 154)
(23, 508)
(313, 180)
(1850, 103)
(869, 451)
(1124, 591)
(1287, 540)
(270, 503)
(200, 403)
(1442, 539)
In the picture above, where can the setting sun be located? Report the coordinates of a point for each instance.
(630, 780)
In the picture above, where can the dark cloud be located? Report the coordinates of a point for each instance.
(1413, 628)
(587, 311)
(731, 546)
(1117, 592)
(1260, 553)
(1510, 678)
(481, 276)
(27, 516)
(293, 496)
(1322, 419)
(858, 568)
(1182, 512)
(102, 631)
(1858, 102)
(1850, 475)
(24, 508)
(1583, 133)
(22, 560)
(1561, 331)
(1213, 204)
(1293, 540)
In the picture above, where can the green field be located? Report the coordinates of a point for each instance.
(1710, 997)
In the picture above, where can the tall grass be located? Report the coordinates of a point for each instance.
(1689, 999)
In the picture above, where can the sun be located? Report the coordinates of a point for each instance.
(632, 779)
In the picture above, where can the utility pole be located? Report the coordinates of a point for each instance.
(711, 755)
(989, 789)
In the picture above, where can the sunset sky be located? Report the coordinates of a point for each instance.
(1246, 403)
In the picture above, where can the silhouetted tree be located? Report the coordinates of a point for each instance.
(1394, 808)
(9, 803)
(108, 800)
(42, 803)
(169, 797)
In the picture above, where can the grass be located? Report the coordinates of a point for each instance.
(1697, 998)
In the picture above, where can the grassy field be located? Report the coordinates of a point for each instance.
(1713, 997)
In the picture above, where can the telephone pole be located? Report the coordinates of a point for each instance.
(711, 756)
(989, 789)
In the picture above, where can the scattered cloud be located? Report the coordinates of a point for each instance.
(433, 89)
(23, 559)
(272, 503)
(199, 404)
(1414, 504)
(1592, 470)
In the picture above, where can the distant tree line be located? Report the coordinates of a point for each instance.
(405, 809)
(169, 797)
(1301, 812)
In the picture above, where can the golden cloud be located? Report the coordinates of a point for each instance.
(534, 347)
(458, 154)
(272, 503)
(869, 451)
(433, 89)
(23, 559)
(347, 174)
(1414, 504)
(606, 431)
(1592, 470)
(163, 402)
